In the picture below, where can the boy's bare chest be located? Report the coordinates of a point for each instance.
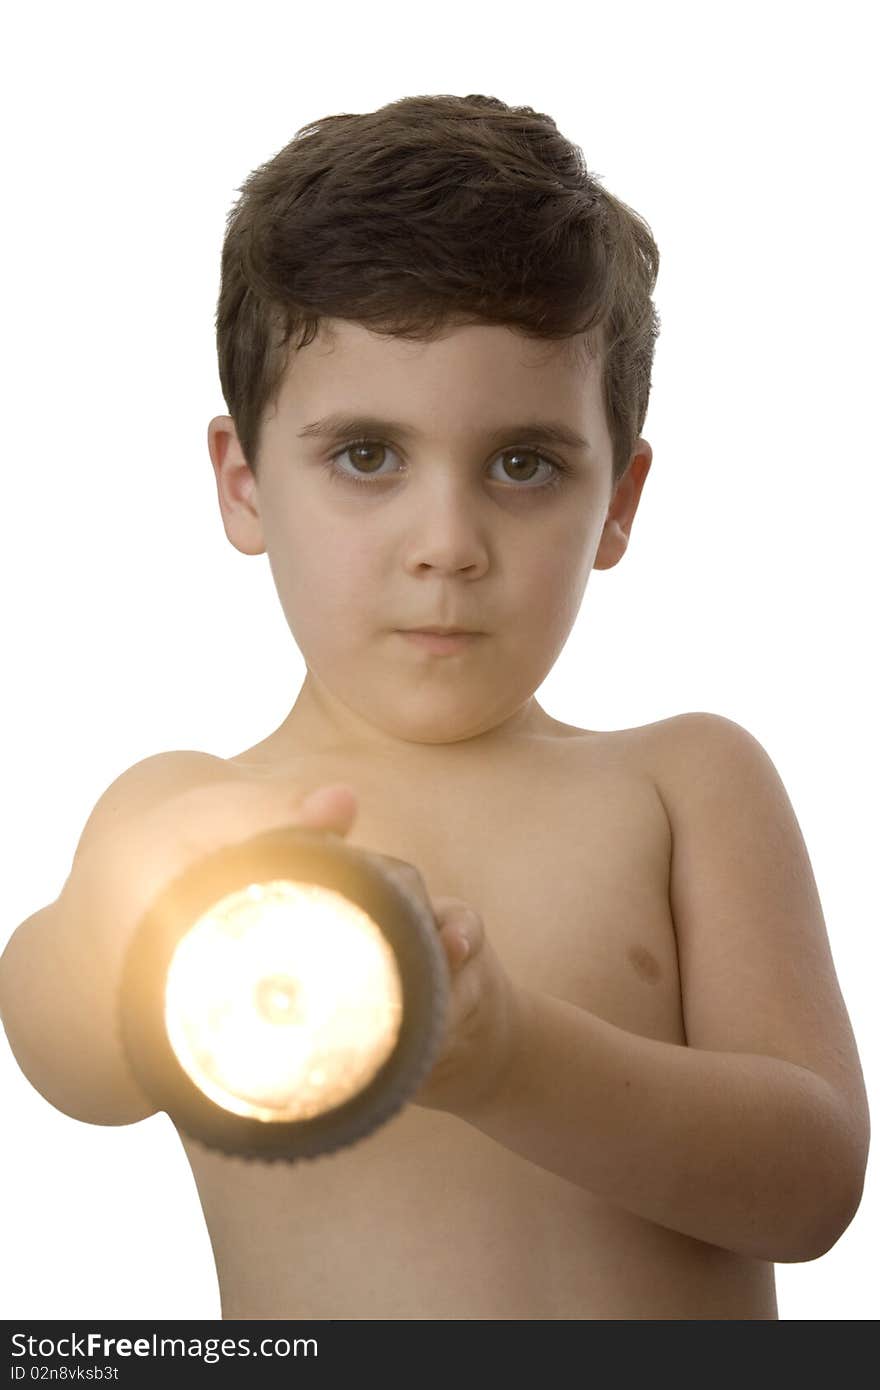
(569, 873)
(427, 1217)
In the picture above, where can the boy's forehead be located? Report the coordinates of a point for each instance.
(345, 356)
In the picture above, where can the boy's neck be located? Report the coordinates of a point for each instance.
(319, 723)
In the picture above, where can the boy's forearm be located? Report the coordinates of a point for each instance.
(741, 1151)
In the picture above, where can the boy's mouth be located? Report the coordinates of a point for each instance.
(439, 640)
(443, 631)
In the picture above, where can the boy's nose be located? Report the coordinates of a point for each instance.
(445, 533)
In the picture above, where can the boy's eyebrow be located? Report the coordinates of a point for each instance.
(535, 431)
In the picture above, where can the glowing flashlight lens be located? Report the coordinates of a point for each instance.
(283, 1001)
(275, 999)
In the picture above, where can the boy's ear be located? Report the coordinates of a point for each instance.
(622, 508)
(236, 487)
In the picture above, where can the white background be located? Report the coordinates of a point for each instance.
(745, 135)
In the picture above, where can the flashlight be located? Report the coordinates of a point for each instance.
(283, 997)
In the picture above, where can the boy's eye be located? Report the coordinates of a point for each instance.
(519, 465)
(367, 452)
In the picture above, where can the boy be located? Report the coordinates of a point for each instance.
(649, 1089)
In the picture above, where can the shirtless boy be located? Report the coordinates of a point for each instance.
(649, 1090)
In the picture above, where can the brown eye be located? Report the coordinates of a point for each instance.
(343, 468)
(373, 451)
(523, 466)
(516, 469)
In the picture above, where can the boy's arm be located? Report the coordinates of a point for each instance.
(753, 1137)
(60, 971)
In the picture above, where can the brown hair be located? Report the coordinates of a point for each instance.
(429, 212)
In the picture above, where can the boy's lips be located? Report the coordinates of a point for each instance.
(440, 641)
(444, 631)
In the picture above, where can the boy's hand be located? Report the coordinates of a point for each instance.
(483, 1020)
(484, 1015)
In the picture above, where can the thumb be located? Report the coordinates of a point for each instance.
(332, 808)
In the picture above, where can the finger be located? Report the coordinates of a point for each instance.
(461, 928)
(457, 945)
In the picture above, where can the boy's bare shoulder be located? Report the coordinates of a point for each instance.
(146, 785)
(673, 752)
